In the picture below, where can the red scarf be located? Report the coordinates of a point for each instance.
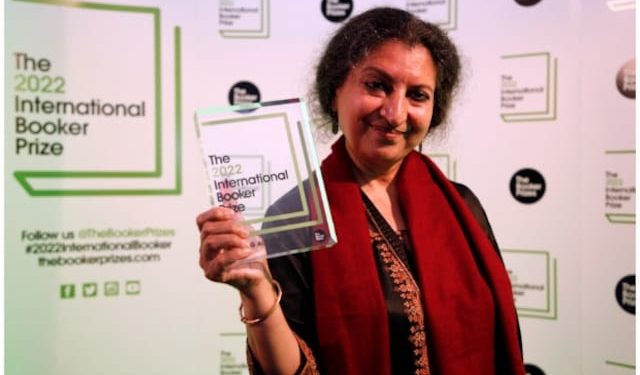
(470, 320)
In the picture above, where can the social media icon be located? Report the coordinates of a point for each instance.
(111, 288)
(132, 287)
(89, 289)
(67, 291)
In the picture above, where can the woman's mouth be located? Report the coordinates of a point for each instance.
(390, 130)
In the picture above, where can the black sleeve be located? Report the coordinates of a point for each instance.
(473, 203)
(478, 212)
(293, 272)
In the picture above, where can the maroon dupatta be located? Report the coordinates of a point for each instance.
(470, 320)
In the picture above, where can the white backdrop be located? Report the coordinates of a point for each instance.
(100, 240)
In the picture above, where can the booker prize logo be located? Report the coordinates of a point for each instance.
(626, 293)
(626, 79)
(232, 353)
(319, 235)
(529, 87)
(527, 3)
(443, 13)
(244, 19)
(336, 10)
(533, 369)
(244, 92)
(527, 186)
(61, 127)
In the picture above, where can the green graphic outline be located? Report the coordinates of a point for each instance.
(265, 18)
(449, 24)
(620, 364)
(451, 165)
(23, 176)
(552, 288)
(620, 5)
(314, 195)
(620, 218)
(526, 116)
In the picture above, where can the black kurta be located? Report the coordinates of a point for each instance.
(406, 325)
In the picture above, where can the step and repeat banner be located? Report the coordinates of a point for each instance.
(104, 177)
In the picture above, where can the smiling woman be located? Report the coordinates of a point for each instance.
(415, 284)
(386, 104)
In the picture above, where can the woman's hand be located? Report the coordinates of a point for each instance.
(228, 253)
(227, 256)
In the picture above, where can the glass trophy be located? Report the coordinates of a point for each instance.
(262, 163)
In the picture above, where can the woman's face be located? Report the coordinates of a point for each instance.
(392, 88)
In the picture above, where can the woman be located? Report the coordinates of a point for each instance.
(415, 283)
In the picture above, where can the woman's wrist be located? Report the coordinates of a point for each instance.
(260, 301)
(259, 318)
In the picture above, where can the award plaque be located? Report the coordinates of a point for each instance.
(262, 163)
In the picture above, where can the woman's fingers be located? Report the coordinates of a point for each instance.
(245, 274)
(228, 252)
(213, 244)
(221, 261)
(214, 214)
(211, 228)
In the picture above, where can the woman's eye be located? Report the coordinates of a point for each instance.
(419, 96)
(375, 86)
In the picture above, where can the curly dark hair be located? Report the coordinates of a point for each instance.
(365, 32)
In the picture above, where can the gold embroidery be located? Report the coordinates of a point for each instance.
(406, 288)
(309, 368)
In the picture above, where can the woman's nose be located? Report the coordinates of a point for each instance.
(394, 109)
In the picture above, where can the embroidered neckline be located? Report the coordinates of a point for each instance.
(404, 285)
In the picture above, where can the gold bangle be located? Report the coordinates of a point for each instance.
(247, 321)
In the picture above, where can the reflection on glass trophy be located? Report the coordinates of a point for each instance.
(261, 162)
